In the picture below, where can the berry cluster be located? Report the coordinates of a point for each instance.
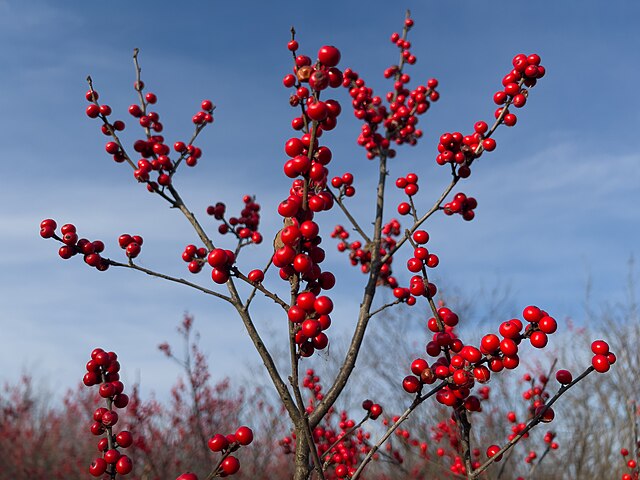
(462, 205)
(401, 117)
(344, 183)
(339, 439)
(154, 152)
(421, 259)
(462, 365)
(297, 251)
(374, 409)
(74, 245)
(409, 183)
(631, 464)
(361, 254)
(602, 357)
(310, 314)
(103, 370)
(461, 150)
(446, 434)
(195, 257)
(221, 262)
(245, 226)
(536, 396)
(225, 444)
(346, 454)
(130, 244)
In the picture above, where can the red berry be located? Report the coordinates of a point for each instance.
(490, 343)
(600, 363)
(404, 208)
(500, 97)
(532, 314)
(547, 324)
(492, 451)
(217, 258)
(98, 467)
(107, 390)
(489, 144)
(519, 100)
(600, 347)
(188, 476)
(124, 439)
(564, 376)
(481, 127)
(548, 414)
(217, 443)
(256, 276)
(230, 465)
(510, 119)
(323, 305)
(420, 237)
(411, 384)
(342, 471)
(111, 456)
(317, 111)
(109, 418)
(244, 435)
(329, 56)
(539, 339)
(93, 111)
(124, 465)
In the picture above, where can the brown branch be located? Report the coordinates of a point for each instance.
(138, 88)
(353, 221)
(264, 353)
(184, 154)
(436, 206)
(257, 286)
(304, 419)
(464, 426)
(191, 218)
(416, 402)
(216, 469)
(534, 466)
(532, 423)
(182, 281)
(384, 307)
(370, 289)
(342, 438)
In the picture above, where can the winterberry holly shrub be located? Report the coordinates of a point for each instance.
(393, 255)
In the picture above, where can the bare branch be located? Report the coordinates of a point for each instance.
(353, 221)
(532, 423)
(416, 402)
(182, 281)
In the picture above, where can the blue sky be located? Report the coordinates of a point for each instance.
(557, 199)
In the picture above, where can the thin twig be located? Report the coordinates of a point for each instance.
(341, 438)
(532, 423)
(437, 205)
(384, 307)
(370, 289)
(416, 402)
(534, 466)
(265, 355)
(256, 286)
(216, 469)
(353, 221)
(169, 278)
